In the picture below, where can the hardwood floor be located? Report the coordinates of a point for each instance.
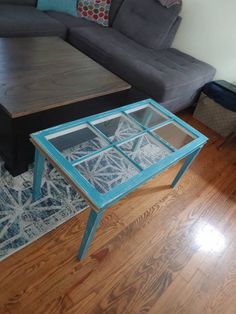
(157, 251)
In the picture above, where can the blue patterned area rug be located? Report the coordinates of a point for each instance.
(23, 221)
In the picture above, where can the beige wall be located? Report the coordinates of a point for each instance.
(208, 32)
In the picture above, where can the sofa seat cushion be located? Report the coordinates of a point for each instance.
(26, 21)
(71, 21)
(147, 22)
(170, 73)
(164, 75)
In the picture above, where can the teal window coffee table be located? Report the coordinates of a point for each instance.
(108, 155)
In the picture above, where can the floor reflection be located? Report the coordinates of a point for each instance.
(209, 239)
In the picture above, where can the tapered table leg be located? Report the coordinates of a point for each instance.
(92, 225)
(185, 166)
(38, 174)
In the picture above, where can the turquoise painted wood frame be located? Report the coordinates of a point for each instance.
(102, 201)
(99, 202)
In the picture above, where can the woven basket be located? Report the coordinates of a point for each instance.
(215, 116)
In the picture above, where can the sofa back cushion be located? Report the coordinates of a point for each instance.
(19, 2)
(115, 6)
(146, 21)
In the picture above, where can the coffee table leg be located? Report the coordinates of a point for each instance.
(92, 225)
(185, 166)
(38, 174)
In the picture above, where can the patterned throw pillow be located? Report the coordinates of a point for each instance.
(95, 10)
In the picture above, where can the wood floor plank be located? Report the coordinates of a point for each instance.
(144, 257)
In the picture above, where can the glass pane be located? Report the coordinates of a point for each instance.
(174, 134)
(148, 117)
(117, 128)
(77, 143)
(145, 150)
(107, 170)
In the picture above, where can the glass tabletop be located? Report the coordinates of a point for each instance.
(106, 170)
(174, 134)
(147, 116)
(114, 151)
(117, 127)
(109, 151)
(77, 142)
(145, 150)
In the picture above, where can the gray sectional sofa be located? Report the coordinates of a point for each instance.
(136, 45)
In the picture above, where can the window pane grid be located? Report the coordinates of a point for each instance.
(116, 144)
(132, 151)
(149, 130)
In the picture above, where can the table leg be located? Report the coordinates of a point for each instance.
(38, 174)
(185, 166)
(92, 225)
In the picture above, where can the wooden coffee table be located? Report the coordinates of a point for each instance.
(44, 82)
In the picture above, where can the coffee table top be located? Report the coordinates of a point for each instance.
(41, 73)
(108, 155)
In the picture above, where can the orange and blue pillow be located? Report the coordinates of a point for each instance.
(95, 10)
